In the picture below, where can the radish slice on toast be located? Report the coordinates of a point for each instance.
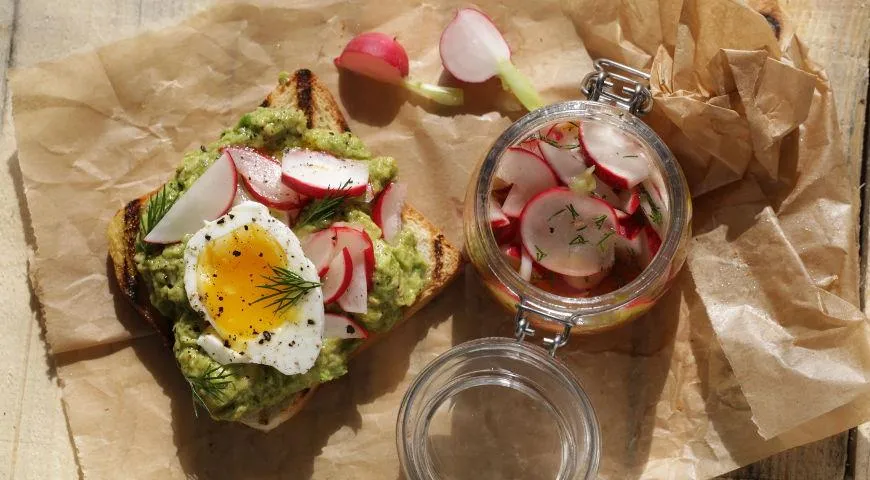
(387, 211)
(319, 247)
(341, 326)
(529, 175)
(361, 248)
(619, 160)
(319, 174)
(262, 177)
(210, 196)
(569, 233)
(337, 277)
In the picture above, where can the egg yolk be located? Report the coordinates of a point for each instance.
(230, 270)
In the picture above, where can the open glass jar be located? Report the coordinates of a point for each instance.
(496, 407)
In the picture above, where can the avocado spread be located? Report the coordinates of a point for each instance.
(399, 277)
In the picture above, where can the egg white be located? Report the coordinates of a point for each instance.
(293, 347)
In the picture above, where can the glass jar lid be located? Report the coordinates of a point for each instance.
(497, 408)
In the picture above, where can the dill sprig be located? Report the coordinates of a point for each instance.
(286, 287)
(539, 254)
(558, 145)
(210, 383)
(599, 221)
(579, 239)
(573, 211)
(324, 208)
(601, 245)
(655, 214)
(155, 210)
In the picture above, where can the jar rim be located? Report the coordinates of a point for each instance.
(412, 415)
(573, 310)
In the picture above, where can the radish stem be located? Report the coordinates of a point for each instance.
(519, 84)
(443, 95)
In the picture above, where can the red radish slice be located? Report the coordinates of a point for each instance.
(262, 177)
(210, 196)
(355, 298)
(526, 265)
(629, 200)
(652, 244)
(604, 192)
(497, 218)
(566, 163)
(472, 47)
(565, 134)
(341, 326)
(320, 248)
(387, 211)
(380, 56)
(529, 175)
(513, 254)
(531, 145)
(508, 233)
(587, 282)
(337, 277)
(361, 248)
(319, 174)
(242, 195)
(619, 160)
(569, 233)
(375, 55)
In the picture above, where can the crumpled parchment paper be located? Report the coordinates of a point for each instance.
(759, 345)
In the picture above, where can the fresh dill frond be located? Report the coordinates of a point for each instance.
(155, 210)
(556, 214)
(286, 288)
(324, 208)
(599, 221)
(578, 240)
(539, 254)
(558, 145)
(601, 245)
(655, 214)
(211, 383)
(573, 211)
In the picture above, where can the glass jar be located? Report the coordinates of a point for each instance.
(497, 408)
(503, 408)
(587, 314)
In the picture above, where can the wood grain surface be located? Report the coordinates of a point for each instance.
(34, 441)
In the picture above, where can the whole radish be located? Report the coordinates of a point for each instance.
(381, 57)
(473, 50)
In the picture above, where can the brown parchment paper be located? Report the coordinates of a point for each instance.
(758, 346)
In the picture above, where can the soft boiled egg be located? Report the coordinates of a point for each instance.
(229, 263)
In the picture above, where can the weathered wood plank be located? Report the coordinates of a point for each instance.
(836, 31)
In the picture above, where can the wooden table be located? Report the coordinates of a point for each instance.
(34, 441)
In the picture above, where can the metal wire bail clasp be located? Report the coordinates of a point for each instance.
(523, 328)
(619, 84)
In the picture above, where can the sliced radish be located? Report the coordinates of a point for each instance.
(529, 175)
(652, 244)
(507, 234)
(473, 50)
(337, 277)
(319, 174)
(382, 57)
(242, 195)
(387, 211)
(526, 264)
(619, 160)
(210, 196)
(320, 248)
(497, 218)
(376, 55)
(569, 233)
(586, 282)
(531, 145)
(565, 134)
(262, 177)
(471, 47)
(341, 326)
(566, 163)
(629, 200)
(513, 254)
(604, 192)
(355, 298)
(361, 248)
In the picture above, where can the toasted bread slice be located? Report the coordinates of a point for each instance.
(304, 91)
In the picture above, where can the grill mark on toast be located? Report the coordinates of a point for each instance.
(130, 283)
(438, 253)
(304, 97)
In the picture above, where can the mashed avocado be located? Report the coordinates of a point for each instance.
(400, 271)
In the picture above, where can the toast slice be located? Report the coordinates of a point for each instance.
(303, 91)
